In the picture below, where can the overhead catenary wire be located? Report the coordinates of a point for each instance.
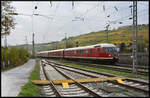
(128, 16)
(114, 20)
(88, 10)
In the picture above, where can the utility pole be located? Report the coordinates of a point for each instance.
(33, 48)
(134, 38)
(107, 32)
(65, 40)
(33, 51)
(5, 41)
(26, 41)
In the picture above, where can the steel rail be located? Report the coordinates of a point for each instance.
(130, 66)
(110, 75)
(116, 68)
(56, 91)
(77, 83)
(85, 75)
(117, 64)
(114, 82)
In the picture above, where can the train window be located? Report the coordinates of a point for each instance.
(82, 51)
(110, 50)
(103, 49)
(86, 51)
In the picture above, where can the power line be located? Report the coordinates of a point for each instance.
(125, 17)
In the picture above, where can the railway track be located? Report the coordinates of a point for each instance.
(130, 66)
(133, 86)
(75, 90)
(110, 67)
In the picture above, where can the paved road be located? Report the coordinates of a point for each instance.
(12, 80)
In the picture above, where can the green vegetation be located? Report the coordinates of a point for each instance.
(108, 71)
(13, 57)
(30, 89)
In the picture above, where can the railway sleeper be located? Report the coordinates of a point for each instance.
(78, 95)
(73, 92)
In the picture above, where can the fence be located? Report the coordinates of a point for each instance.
(143, 58)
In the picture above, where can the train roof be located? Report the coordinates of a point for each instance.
(83, 47)
(92, 46)
(51, 51)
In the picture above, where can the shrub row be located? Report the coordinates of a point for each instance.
(13, 57)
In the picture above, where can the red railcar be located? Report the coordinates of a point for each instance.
(105, 52)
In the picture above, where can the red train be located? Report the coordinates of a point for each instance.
(99, 52)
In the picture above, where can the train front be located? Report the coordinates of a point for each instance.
(111, 51)
(115, 54)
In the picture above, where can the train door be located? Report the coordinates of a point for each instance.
(104, 53)
(63, 53)
(90, 52)
(97, 50)
(94, 52)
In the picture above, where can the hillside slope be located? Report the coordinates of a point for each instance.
(120, 35)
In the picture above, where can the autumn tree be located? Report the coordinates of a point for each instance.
(23, 54)
(14, 54)
(7, 21)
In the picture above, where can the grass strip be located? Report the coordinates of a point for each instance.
(30, 89)
(106, 70)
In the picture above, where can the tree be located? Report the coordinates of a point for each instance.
(23, 54)
(14, 55)
(70, 44)
(7, 21)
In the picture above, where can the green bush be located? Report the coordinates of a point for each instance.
(13, 56)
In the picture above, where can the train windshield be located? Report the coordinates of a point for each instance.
(113, 50)
(110, 49)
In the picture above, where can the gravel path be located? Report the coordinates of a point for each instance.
(12, 80)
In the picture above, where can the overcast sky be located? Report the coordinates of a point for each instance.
(61, 18)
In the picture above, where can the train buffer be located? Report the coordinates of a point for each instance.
(65, 83)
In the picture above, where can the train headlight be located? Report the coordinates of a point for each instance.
(109, 55)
